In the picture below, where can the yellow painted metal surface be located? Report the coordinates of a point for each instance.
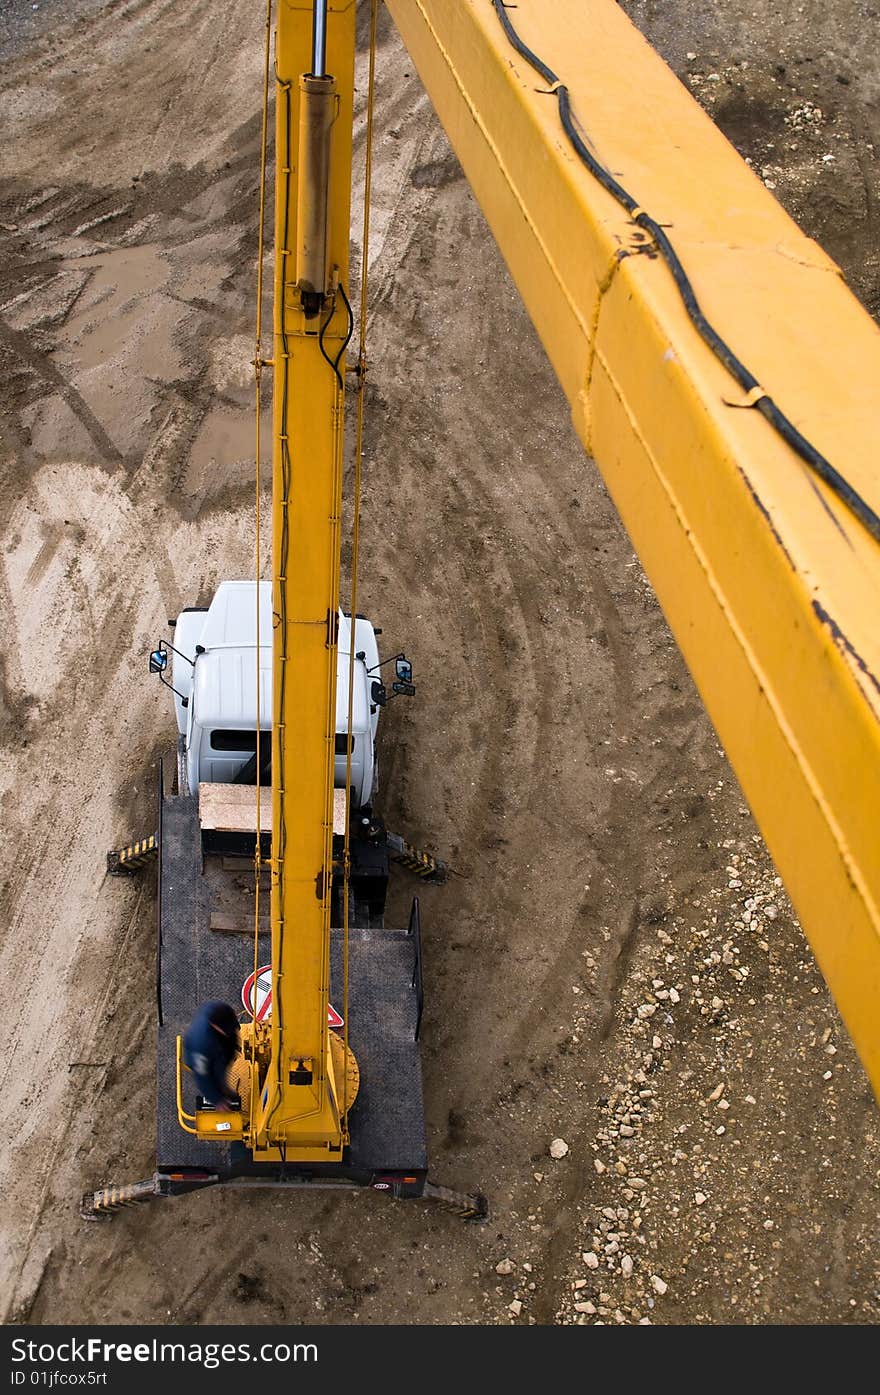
(771, 587)
(297, 1107)
(186, 1121)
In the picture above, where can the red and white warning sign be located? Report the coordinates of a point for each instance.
(264, 997)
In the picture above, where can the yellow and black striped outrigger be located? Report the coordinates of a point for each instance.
(424, 864)
(105, 1202)
(125, 861)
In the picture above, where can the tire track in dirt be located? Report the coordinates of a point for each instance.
(21, 345)
(52, 1170)
(39, 951)
(532, 1037)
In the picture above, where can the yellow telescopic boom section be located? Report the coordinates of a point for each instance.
(770, 584)
(299, 1109)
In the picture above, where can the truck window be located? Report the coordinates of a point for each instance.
(340, 743)
(238, 740)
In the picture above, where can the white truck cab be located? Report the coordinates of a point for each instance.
(215, 691)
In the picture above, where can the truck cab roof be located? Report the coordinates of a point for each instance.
(224, 677)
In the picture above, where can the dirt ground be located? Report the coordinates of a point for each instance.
(617, 964)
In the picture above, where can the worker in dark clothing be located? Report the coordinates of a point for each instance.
(210, 1044)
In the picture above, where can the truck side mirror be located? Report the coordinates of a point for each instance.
(159, 663)
(404, 687)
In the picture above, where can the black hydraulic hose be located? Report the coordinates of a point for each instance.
(334, 362)
(817, 462)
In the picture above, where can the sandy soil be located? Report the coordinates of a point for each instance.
(616, 964)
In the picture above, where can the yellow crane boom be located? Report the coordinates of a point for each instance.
(769, 581)
(313, 132)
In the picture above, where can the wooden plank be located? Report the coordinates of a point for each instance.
(233, 808)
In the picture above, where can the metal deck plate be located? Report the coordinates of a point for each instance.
(196, 964)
